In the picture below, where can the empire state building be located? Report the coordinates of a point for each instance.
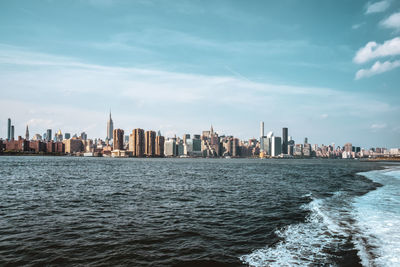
(110, 128)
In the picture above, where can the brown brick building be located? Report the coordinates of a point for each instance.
(150, 143)
(118, 139)
(160, 140)
(136, 142)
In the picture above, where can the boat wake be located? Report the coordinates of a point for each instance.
(314, 241)
(377, 216)
(339, 224)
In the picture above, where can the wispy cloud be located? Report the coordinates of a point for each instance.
(149, 98)
(377, 7)
(377, 68)
(392, 22)
(378, 126)
(357, 26)
(324, 116)
(100, 3)
(374, 50)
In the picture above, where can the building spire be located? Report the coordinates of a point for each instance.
(27, 133)
(110, 128)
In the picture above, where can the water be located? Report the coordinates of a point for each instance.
(195, 212)
(378, 218)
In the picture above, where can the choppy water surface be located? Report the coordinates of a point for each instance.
(99, 211)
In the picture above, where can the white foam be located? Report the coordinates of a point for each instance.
(303, 243)
(377, 216)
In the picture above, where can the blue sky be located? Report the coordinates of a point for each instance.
(328, 70)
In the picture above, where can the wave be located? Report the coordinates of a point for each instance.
(377, 216)
(314, 241)
(369, 223)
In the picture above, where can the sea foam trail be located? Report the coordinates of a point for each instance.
(377, 216)
(305, 243)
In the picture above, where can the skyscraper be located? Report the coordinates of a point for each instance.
(58, 137)
(150, 141)
(170, 148)
(276, 146)
(110, 128)
(27, 133)
(262, 129)
(118, 136)
(136, 142)
(83, 136)
(285, 140)
(9, 130)
(48, 135)
(12, 132)
(262, 136)
(160, 146)
(268, 143)
(186, 137)
(348, 147)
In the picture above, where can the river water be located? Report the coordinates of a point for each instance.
(198, 212)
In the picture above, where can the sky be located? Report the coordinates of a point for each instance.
(327, 70)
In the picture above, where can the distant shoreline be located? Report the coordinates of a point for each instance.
(19, 154)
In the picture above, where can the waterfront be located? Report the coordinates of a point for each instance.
(104, 211)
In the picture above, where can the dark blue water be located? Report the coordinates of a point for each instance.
(163, 212)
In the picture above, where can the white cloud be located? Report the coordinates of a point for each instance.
(392, 22)
(378, 126)
(357, 26)
(324, 116)
(377, 7)
(66, 93)
(374, 50)
(377, 68)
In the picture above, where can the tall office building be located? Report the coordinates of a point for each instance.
(170, 148)
(348, 147)
(185, 138)
(110, 128)
(276, 146)
(160, 146)
(12, 132)
(305, 140)
(118, 136)
(83, 136)
(306, 150)
(285, 140)
(136, 142)
(9, 130)
(58, 137)
(291, 146)
(150, 143)
(268, 143)
(27, 133)
(262, 129)
(265, 145)
(48, 135)
(196, 143)
(262, 136)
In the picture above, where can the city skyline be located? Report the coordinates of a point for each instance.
(284, 135)
(179, 67)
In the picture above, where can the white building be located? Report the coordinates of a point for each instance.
(170, 148)
(276, 146)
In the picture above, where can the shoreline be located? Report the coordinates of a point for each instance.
(379, 159)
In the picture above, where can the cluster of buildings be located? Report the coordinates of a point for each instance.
(285, 147)
(140, 143)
